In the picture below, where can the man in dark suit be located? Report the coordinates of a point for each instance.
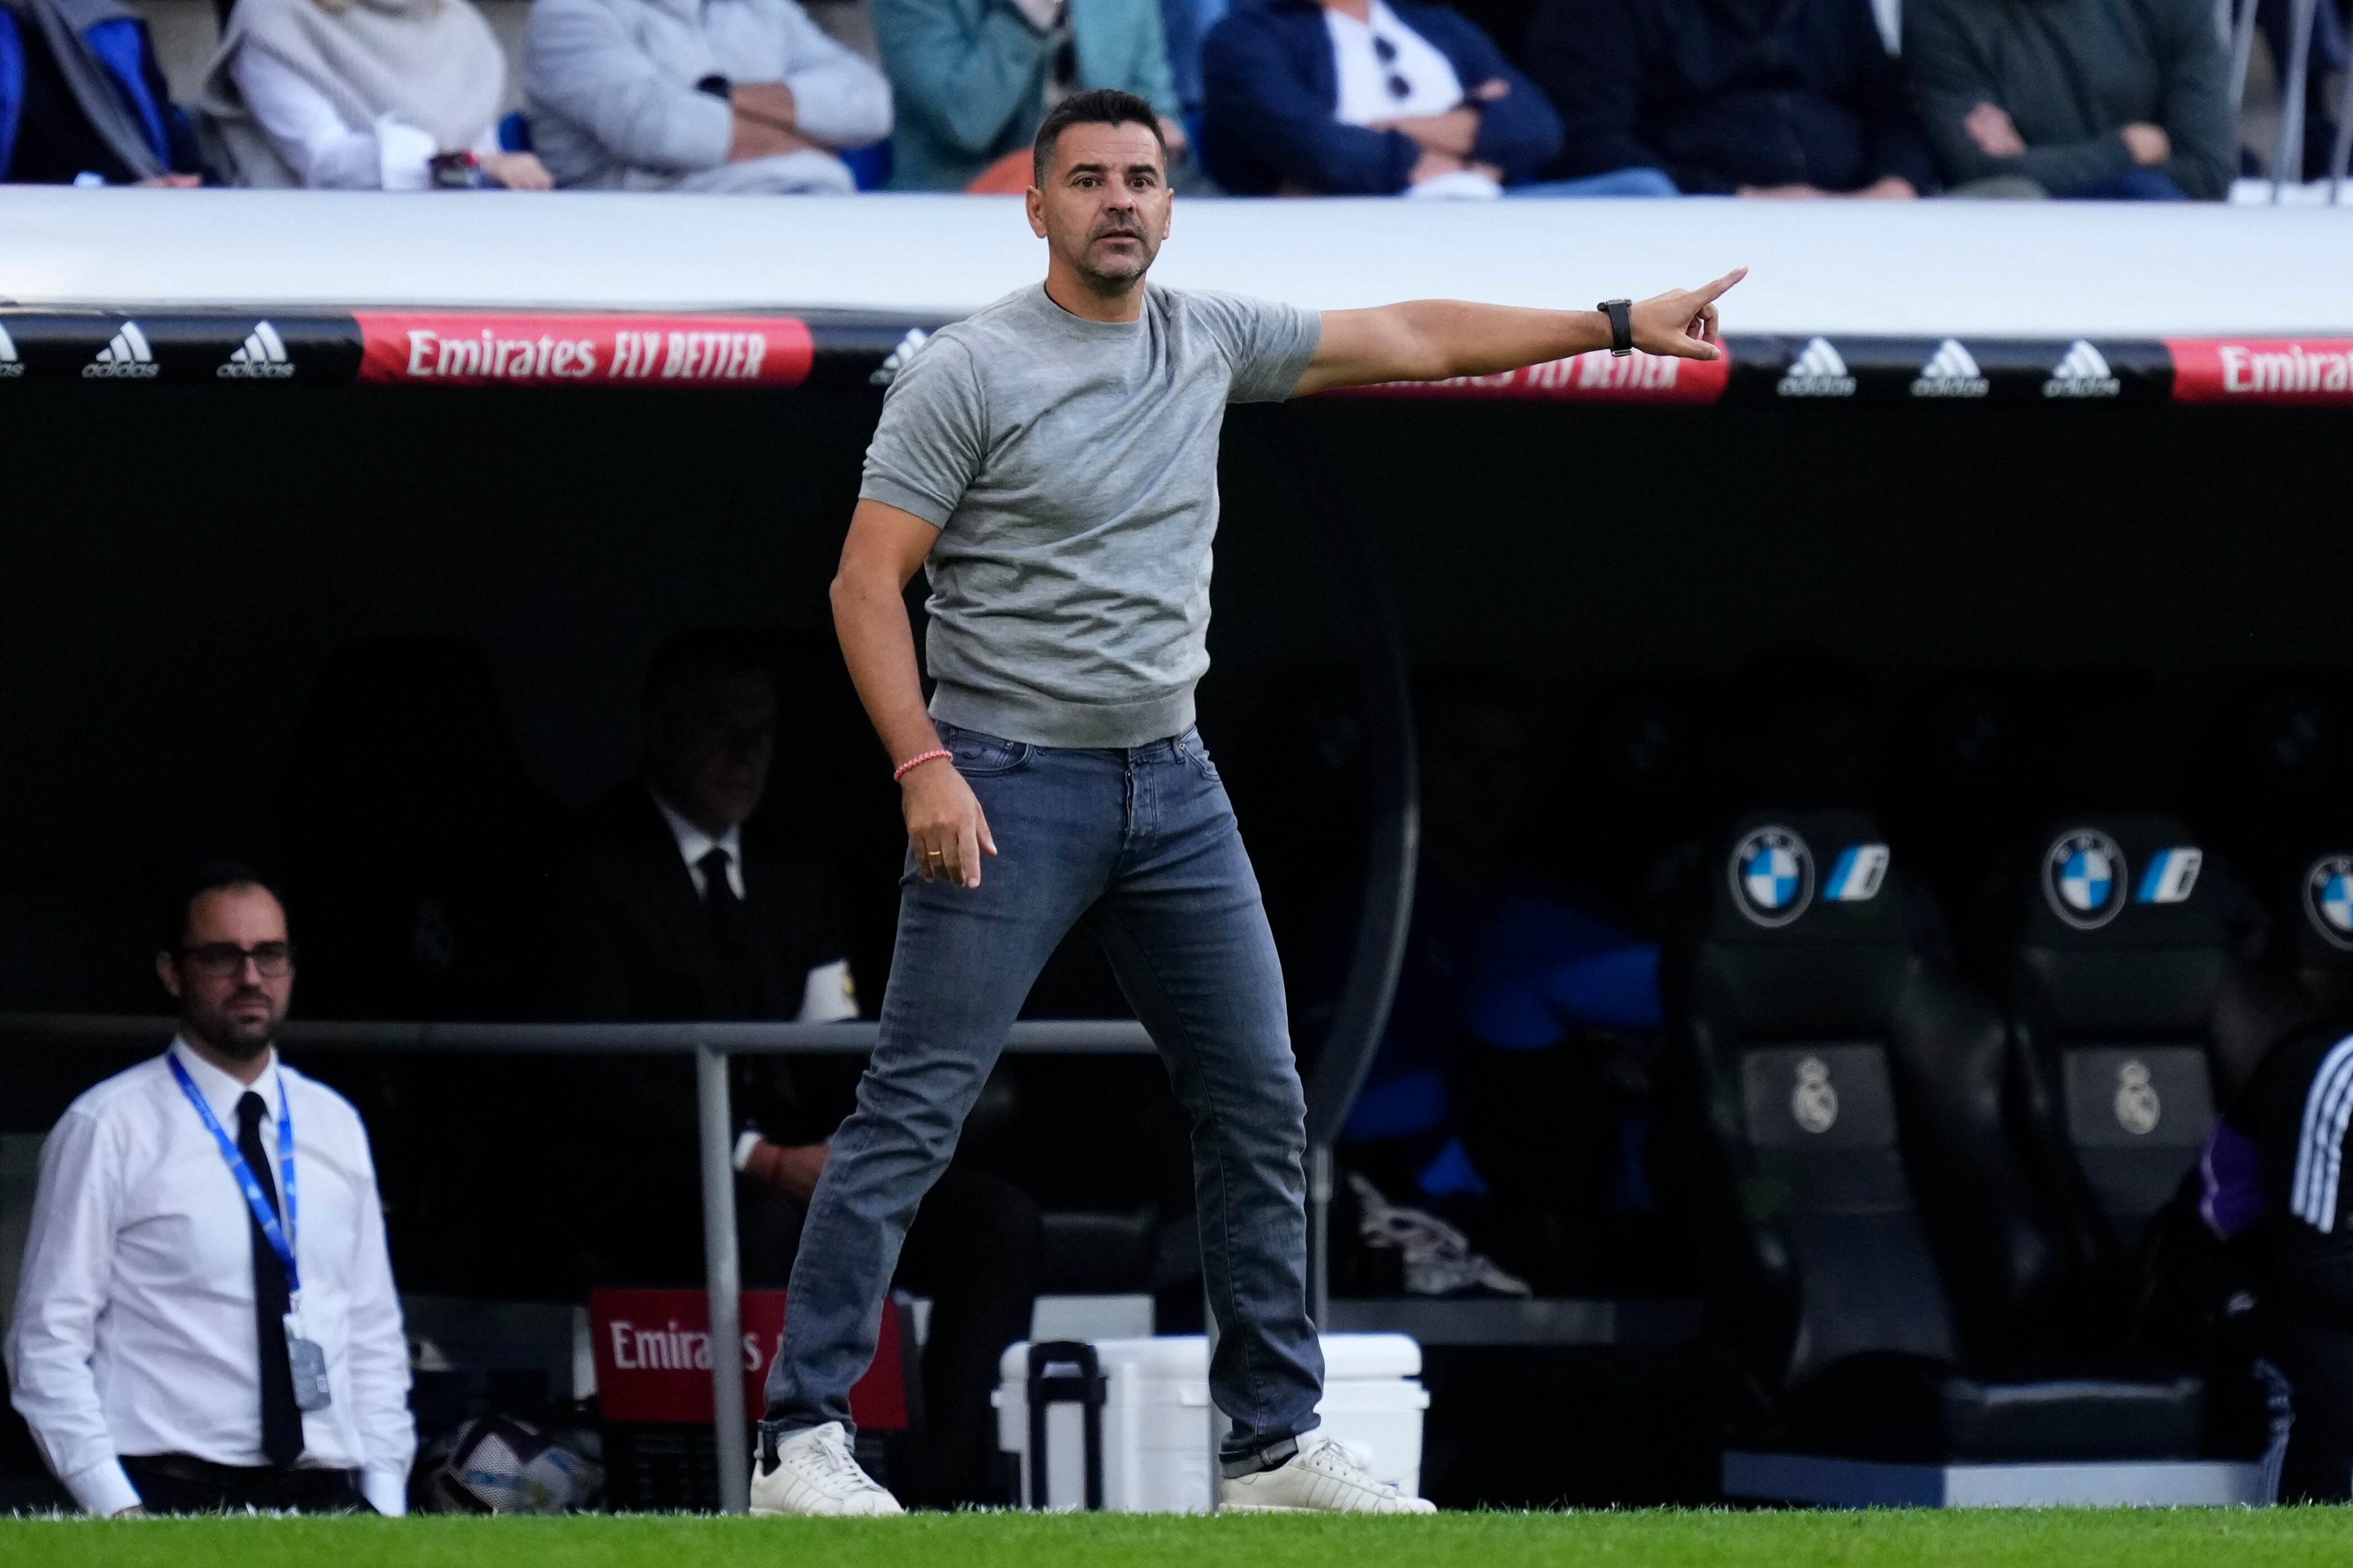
(679, 907)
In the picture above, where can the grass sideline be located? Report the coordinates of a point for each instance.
(2187, 1538)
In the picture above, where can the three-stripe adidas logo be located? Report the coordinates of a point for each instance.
(9, 363)
(128, 357)
(1818, 372)
(2083, 373)
(1950, 372)
(888, 371)
(262, 357)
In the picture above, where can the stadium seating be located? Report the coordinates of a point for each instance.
(1890, 1262)
(2133, 1021)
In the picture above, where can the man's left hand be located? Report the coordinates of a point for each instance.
(1681, 323)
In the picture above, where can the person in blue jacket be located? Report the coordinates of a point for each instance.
(1378, 97)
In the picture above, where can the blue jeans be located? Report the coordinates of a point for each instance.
(1140, 847)
(2131, 186)
(1634, 182)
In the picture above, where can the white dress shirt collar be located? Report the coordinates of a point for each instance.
(693, 843)
(222, 1090)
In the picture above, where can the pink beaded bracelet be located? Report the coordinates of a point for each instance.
(917, 761)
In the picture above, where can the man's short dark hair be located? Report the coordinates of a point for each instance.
(1097, 106)
(705, 650)
(208, 876)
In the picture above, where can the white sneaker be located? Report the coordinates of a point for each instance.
(817, 1474)
(1324, 1477)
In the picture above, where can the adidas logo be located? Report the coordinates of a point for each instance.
(262, 358)
(1950, 372)
(9, 363)
(2083, 373)
(128, 357)
(1818, 372)
(888, 371)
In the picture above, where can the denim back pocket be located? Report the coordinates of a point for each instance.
(982, 756)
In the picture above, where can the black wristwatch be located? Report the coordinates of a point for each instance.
(1621, 325)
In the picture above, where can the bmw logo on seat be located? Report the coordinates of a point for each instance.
(2328, 899)
(1772, 875)
(2083, 879)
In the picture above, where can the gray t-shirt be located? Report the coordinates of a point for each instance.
(1072, 468)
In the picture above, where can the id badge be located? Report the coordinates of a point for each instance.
(310, 1367)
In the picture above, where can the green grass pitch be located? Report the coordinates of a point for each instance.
(2190, 1538)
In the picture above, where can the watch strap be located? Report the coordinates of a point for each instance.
(1621, 325)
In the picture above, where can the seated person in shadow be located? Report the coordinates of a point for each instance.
(1508, 1094)
(679, 906)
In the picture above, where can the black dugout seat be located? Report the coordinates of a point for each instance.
(1884, 1261)
(2115, 961)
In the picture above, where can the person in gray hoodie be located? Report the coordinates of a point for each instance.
(2121, 100)
(721, 96)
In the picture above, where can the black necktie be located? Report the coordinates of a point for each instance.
(282, 1420)
(718, 893)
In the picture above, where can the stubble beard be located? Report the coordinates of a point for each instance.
(1128, 273)
(238, 1041)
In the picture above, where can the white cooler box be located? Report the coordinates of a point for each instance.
(1151, 1413)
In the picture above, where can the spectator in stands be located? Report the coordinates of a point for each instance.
(1185, 26)
(82, 101)
(680, 906)
(2087, 99)
(363, 95)
(974, 77)
(1754, 97)
(731, 97)
(183, 1341)
(1365, 98)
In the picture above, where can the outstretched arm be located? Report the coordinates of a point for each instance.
(1430, 340)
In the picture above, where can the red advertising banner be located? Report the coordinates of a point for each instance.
(653, 1358)
(2262, 370)
(1599, 376)
(461, 348)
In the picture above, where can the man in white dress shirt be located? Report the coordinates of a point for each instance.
(206, 1317)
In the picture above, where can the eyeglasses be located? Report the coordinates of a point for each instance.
(1387, 53)
(219, 960)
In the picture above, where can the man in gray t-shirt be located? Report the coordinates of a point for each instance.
(1052, 461)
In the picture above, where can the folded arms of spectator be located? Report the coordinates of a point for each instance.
(582, 62)
(1266, 113)
(838, 100)
(1967, 98)
(1514, 130)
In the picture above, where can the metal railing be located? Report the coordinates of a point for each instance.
(711, 1045)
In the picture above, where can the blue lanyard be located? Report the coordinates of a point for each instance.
(280, 1239)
